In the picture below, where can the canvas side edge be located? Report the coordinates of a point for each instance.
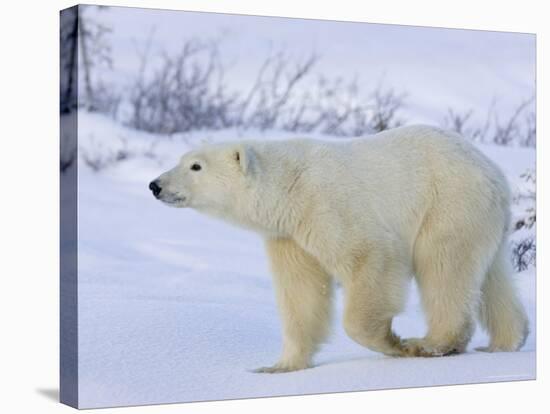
(68, 310)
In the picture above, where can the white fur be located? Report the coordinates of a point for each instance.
(410, 202)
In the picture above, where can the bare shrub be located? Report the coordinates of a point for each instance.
(278, 99)
(334, 105)
(185, 92)
(461, 122)
(95, 54)
(68, 60)
(271, 94)
(525, 197)
(511, 130)
(340, 109)
(386, 104)
(524, 246)
(524, 254)
(517, 129)
(107, 100)
(529, 130)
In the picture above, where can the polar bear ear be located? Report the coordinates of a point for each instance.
(245, 157)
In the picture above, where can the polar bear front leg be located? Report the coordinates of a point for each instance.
(304, 293)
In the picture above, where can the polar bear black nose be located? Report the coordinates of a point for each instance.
(155, 188)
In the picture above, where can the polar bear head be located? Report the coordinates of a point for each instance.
(216, 179)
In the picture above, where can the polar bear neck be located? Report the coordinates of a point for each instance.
(282, 192)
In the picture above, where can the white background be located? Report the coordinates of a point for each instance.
(29, 216)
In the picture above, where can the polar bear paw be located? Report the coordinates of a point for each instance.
(492, 348)
(281, 367)
(421, 347)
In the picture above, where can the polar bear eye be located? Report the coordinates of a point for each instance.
(196, 167)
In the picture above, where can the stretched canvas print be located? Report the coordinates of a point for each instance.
(257, 206)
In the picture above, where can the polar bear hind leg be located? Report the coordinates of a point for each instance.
(375, 291)
(451, 263)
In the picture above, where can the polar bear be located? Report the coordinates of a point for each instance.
(373, 213)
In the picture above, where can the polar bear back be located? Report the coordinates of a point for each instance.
(382, 187)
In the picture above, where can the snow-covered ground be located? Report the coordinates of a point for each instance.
(174, 306)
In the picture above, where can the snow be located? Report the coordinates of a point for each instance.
(174, 306)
